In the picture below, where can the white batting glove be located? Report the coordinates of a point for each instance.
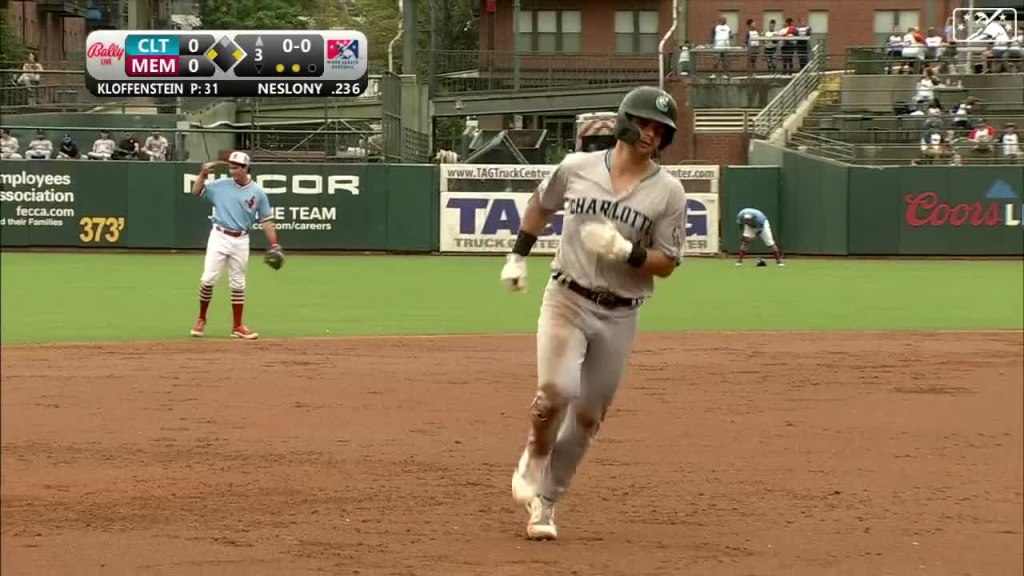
(602, 238)
(513, 273)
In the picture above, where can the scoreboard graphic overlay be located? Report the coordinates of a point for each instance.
(122, 63)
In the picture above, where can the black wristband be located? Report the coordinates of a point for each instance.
(637, 256)
(524, 243)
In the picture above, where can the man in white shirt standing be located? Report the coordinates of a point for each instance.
(721, 40)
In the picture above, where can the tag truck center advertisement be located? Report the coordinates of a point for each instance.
(482, 206)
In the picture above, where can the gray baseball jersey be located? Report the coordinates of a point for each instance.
(653, 214)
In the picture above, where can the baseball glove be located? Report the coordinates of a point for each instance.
(761, 263)
(274, 257)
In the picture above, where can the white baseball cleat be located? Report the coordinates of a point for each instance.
(525, 480)
(542, 520)
(199, 328)
(244, 333)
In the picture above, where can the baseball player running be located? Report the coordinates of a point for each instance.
(238, 203)
(754, 223)
(624, 224)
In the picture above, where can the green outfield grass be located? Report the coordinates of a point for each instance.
(85, 297)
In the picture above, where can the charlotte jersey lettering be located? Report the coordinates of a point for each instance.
(653, 214)
(237, 207)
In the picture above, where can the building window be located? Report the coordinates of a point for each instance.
(549, 31)
(818, 21)
(885, 20)
(636, 31)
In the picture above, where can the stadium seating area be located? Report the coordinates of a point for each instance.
(895, 120)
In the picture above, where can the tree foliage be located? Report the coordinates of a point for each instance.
(379, 20)
(12, 50)
(256, 14)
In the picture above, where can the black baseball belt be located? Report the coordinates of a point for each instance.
(603, 299)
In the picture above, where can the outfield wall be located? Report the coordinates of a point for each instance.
(816, 207)
(826, 208)
(390, 207)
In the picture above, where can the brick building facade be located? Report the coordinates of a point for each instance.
(636, 26)
(632, 30)
(53, 37)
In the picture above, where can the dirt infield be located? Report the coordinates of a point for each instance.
(745, 453)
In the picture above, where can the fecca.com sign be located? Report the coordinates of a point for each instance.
(1001, 208)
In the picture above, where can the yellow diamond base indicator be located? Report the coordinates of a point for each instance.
(212, 54)
(296, 68)
(238, 54)
(279, 67)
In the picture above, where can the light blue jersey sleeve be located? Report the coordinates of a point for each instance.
(263, 210)
(759, 217)
(212, 188)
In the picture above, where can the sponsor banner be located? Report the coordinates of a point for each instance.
(149, 205)
(525, 177)
(489, 222)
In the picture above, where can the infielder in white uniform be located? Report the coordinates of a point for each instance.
(624, 224)
(239, 203)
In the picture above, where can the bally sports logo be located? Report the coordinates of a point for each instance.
(927, 209)
(105, 53)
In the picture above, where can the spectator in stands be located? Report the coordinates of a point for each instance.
(40, 148)
(753, 42)
(103, 147)
(914, 52)
(128, 148)
(68, 149)
(771, 47)
(962, 113)
(9, 146)
(935, 45)
(894, 50)
(155, 147)
(935, 108)
(803, 45)
(788, 46)
(721, 39)
(1015, 55)
(1010, 141)
(998, 39)
(926, 86)
(29, 77)
(933, 145)
(982, 136)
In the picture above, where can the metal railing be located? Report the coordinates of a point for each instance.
(789, 99)
(948, 59)
(58, 83)
(463, 71)
(824, 147)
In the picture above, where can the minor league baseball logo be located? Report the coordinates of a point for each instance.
(662, 103)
